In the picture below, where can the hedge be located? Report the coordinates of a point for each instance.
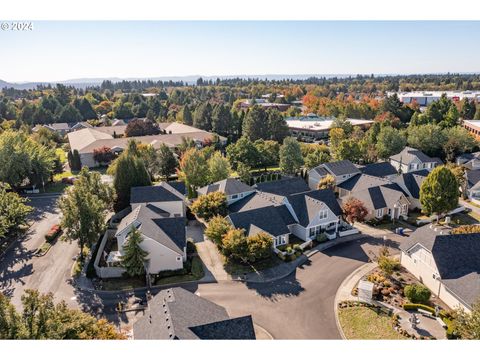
(410, 306)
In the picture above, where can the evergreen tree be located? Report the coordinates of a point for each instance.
(134, 257)
(187, 116)
(221, 120)
(69, 114)
(202, 118)
(439, 191)
(277, 126)
(255, 124)
(468, 109)
(128, 170)
(166, 162)
(291, 159)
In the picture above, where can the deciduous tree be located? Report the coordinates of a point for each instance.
(354, 210)
(217, 227)
(210, 205)
(439, 191)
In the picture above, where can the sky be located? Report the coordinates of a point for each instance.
(57, 51)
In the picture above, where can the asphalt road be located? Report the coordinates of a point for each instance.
(300, 306)
(20, 269)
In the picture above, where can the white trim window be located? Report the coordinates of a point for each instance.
(404, 209)
(280, 240)
(379, 213)
(323, 214)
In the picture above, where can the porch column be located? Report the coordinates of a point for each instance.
(336, 226)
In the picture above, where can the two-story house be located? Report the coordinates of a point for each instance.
(158, 213)
(340, 170)
(447, 264)
(233, 189)
(410, 159)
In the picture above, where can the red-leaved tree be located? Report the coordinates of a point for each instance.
(354, 210)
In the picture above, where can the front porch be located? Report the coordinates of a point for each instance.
(330, 231)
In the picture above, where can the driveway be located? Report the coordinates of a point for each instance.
(208, 252)
(20, 269)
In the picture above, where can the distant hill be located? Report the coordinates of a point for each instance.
(190, 79)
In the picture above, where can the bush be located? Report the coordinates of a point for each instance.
(210, 205)
(191, 248)
(419, 306)
(321, 238)
(53, 233)
(417, 293)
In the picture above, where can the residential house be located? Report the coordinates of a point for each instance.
(381, 197)
(86, 140)
(381, 169)
(60, 128)
(471, 161)
(233, 189)
(158, 212)
(411, 183)
(340, 170)
(287, 206)
(177, 314)
(410, 159)
(472, 184)
(164, 196)
(447, 264)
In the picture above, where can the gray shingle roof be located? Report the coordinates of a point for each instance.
(179, 314)
(283, 187)
(380, 169)
(343, 167)
(307, 205)
(157, 225)
(473, 177)
(413, 181)
(228, 186)
(408, 154)
(149, 194)
(456, 257)
(378, 197)
(361, 182)
(252, 201)
(268, 219)
(320, 170)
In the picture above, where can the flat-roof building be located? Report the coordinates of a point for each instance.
(312, 127)
(424, 98)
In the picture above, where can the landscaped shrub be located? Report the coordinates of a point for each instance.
(191, 248)
(321, 238)
(53, 233)
(417, 293)
(419, 306)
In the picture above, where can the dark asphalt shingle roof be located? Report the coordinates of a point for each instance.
(376, 195)
(343, 167)
(157, 225)
(456, 257)
(228, 186)
(149, 194)
(413, 181)
(240, 328)
(320, 170)
(283, 187)
(179, 314)
(473, 177)
(380, 169)
(307, 205)
(179, 186)
(268, 219)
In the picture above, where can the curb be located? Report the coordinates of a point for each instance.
(335, 304)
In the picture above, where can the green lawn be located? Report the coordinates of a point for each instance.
(361, 323)
(196, 273)
(235, 268)
(123, 283)
(465, 218)
(55, 187)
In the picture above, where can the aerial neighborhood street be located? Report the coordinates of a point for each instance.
(240, 207)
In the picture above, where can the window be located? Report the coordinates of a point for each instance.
(379, 213)
(323, 214)
(389, 211)
(280, 240)
(235, 196)
(179, 258)
(404, 208)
